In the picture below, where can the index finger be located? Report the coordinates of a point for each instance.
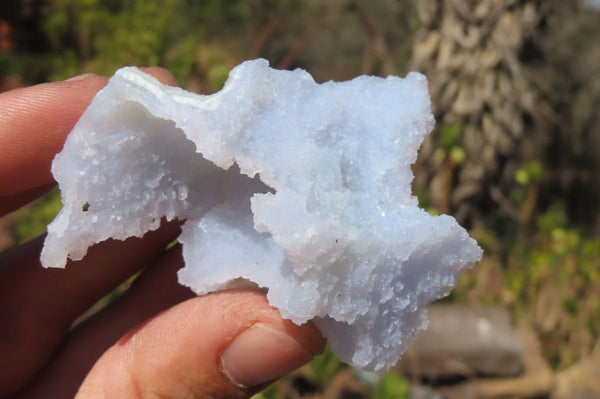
(34, 123)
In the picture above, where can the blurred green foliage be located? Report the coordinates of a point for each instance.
(558, 250)
(549, 275)
(103, 35)
(391, 385)
(198, 41)
(33, 219)
(531, 173)
(325, 367)
(450, 135)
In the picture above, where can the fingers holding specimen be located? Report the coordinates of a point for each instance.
(226, 344)
(163, 75)
(39, 305)
(154, 291)
(34, 123)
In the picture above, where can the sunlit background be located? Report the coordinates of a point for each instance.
(515, 155)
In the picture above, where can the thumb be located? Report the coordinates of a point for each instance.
(224, 345)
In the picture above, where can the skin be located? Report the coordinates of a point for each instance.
(158, 340)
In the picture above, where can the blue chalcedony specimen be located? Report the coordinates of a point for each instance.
(301, 188)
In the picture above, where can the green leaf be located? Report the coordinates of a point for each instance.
(522, 177)
(457, 155)
(450, 135)
(325, 367)
(391, 385)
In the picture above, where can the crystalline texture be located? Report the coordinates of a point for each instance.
(302, 188)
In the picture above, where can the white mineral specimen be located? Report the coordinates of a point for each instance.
(302, 188)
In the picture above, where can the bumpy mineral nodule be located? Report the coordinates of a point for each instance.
(299, 187)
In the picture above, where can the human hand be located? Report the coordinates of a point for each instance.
(157, 339)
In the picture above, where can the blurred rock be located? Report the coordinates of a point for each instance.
(425, 392)
(581, 381)
(535, 381)
(464, 341)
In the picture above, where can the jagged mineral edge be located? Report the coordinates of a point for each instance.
(302, 188)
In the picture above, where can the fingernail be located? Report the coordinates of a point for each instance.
(261, 354)
(80, 77)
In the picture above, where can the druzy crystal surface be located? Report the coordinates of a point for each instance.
(299, 187)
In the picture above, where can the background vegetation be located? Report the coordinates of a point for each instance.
(515, 86)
